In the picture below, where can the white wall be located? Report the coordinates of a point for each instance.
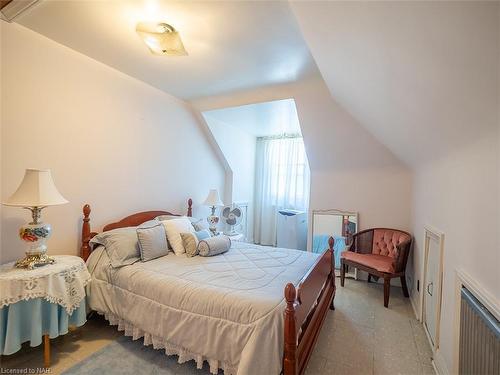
(1, 131)
(415, 74)
(350, 170)
(238, 148)
(458, 195)
(423, 77)
(110, 140)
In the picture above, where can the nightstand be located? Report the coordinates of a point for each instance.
(41, 303)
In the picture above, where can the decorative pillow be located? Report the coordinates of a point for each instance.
(121, 244)
(214, 246)
(190, 243)
(166, 217)
(203, 234)
(198, 224)
(152, 240)
(174, 228)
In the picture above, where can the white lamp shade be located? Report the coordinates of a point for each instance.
(36, 190)
(213, 199)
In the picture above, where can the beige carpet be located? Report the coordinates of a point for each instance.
(359, 337)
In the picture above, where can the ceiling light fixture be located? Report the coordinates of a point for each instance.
(161, 38)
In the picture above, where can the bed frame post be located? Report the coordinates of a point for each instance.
(331, 243)
(85, 248)
(290, 362)
(190, 207)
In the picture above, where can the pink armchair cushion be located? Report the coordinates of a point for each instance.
(386, 240)
(380, 263)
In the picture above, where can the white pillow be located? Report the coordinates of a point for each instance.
(174, 228)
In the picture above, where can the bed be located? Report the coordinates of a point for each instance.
(254, 309)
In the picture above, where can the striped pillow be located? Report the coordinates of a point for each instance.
(152, 240)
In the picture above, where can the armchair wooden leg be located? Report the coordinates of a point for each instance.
(387, 290)
(369, 278)
(342, 273)
(405, 287)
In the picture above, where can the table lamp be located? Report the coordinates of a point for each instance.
(37, 191)
(213, 201)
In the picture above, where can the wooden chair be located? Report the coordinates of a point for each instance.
(381, 252)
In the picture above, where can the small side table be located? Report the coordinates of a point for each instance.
(41, 303)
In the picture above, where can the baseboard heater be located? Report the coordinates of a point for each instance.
(479, 338)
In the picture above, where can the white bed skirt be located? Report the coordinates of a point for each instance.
(170, 349)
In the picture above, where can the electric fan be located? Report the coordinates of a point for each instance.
(231, 216)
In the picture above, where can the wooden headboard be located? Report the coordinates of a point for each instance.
(129, 221)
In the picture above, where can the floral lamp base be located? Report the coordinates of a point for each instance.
(35, 235)
(213, 221)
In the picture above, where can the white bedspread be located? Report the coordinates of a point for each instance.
(226, 309)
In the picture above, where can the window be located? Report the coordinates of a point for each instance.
(288, 172)
(282, 180)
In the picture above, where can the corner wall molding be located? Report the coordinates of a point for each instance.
(439, 364)
(483, 295)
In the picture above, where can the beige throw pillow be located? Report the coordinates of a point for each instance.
(190, 243)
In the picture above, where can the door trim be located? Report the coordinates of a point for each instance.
(431, 232)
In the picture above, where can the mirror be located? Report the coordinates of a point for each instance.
(336, 223)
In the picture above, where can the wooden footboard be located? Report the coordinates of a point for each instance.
(307, 306)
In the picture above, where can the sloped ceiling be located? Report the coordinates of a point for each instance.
(260, 119)
(422, 77)
(334, 140)
(231, 45)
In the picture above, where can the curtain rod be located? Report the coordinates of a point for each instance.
(280, 136)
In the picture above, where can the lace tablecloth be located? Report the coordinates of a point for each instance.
(62, 282)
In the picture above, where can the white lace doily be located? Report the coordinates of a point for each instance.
(62, 282)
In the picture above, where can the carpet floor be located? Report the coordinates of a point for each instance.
(130, 357)
(360, 337)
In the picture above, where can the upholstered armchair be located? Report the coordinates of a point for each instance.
(381, 252)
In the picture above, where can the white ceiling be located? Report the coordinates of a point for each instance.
(231, 45)
(422, 77)
(261, 119)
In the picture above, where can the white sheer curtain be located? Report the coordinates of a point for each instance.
(282, 180)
